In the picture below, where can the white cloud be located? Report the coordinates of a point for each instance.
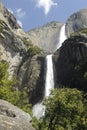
(46, 4)
(20, 13)
(10, 11)
(20, 23)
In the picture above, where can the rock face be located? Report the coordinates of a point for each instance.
(31, 74)
(47, 36)
(11, 46)
(71, 63)
(76, 21)
(13, 49)
(12, 118)
(11, 20)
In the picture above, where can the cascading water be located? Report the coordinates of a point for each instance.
(39, 109)
(49, 84)
(62, 37)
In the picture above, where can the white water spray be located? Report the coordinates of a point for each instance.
(39, 109)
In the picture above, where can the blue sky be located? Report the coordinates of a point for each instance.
(35, 13)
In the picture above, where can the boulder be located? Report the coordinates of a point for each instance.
(13, 118)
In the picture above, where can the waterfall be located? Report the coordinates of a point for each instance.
(49, 84)
(39, 109)
(62, 37)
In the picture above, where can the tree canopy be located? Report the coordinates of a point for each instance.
(66, 109)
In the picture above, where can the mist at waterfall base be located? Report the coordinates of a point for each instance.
(39, 109)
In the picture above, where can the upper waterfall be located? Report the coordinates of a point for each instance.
(62, 36)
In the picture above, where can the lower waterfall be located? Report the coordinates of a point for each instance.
(49, 84)
(39, 109)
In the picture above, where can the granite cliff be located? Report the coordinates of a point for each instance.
(76, 21)
(19, 52)
(71, 62)
(47, 36)
(71, 59)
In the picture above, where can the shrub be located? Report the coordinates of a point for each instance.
(33, 50)
(76, 33)
(84, 31)
(27, 42)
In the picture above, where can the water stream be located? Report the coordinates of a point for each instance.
(39, 109)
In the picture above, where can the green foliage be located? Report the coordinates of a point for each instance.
(84, 31)
(66, 109)
(33, 50)
(27, 42)
(76, 33)
(3, 73)
(23, 101)
(36, 123)
(9, 91)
